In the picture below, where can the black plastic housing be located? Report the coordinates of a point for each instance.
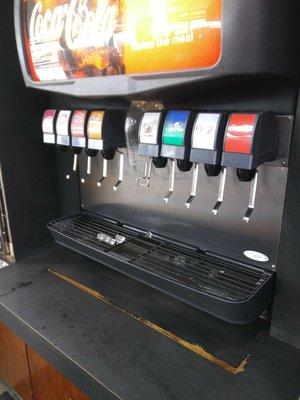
(66, 138)
(152, 150)
(258, 38)
(113, 129)
(211, 157)
(79, 143)
(264, 145)
(180, 152)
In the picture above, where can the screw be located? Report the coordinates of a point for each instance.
(283, 163)
(274, 267)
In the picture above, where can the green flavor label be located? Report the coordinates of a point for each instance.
(175, 128)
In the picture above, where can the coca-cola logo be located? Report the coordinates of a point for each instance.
(81, 26)
(240, 129)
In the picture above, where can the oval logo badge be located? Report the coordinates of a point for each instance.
(256, 256)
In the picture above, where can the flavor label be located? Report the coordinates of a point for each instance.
(149, 128)
(175, 128)
(62, 122)
(48, 121)
(94, 127)
(205, 131)
(239, 133)
(78, 122)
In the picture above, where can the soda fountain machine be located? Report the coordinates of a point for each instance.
(214, 82)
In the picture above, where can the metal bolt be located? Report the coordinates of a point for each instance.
(274, 267)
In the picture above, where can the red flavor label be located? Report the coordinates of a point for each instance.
(239, 133)
(48, 121)
(78, 122)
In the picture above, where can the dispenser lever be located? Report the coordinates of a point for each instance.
(121, 171)
(75, 162)
(145, 180)
(252, 198)
(194, 185)
(221, 191)
(75, 165)
(88, 168)
(171, 182)
(104, 173)
(88, 165)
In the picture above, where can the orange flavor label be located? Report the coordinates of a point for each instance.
(94, 127)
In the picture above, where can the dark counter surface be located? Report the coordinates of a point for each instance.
(110, 355)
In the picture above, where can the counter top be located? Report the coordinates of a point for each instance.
(103, 347)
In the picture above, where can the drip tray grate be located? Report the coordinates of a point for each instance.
(228, 289)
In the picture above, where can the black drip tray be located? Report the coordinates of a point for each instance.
(228, 289)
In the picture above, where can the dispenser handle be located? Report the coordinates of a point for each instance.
(218, 204)
(171, 182)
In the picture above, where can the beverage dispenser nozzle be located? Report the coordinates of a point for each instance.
(251, 139)
(206, 147)
(176, 139)
(149, 146)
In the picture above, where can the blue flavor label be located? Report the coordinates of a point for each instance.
(175, 127)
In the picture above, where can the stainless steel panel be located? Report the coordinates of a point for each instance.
(225, 233)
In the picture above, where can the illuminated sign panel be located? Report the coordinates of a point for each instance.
(72, 39)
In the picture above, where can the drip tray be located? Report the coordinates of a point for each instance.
(230, 290)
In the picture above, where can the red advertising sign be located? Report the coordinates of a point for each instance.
(72, 39)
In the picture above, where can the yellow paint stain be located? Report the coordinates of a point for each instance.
(195, 348)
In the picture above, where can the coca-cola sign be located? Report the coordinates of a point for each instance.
(72, 39)
(81, 26)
